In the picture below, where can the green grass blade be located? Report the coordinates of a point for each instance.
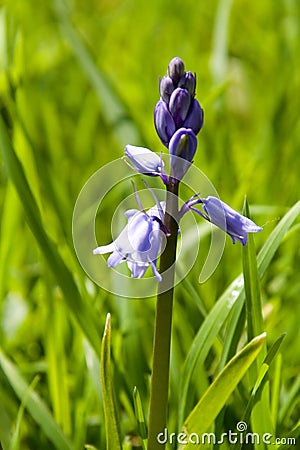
(81, 309)
(35, 405)
(257, 390)
(260, 411)
(139, 414)
(116, 113)
(113, 439)
(233, 297)
(220, 390)
(252, 288)
(15, 438)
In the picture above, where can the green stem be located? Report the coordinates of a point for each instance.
(163, 326)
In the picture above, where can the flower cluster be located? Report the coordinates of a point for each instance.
(178, 118)
(177, 108)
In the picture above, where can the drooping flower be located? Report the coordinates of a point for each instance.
(144, 160)
(223, 216)
(139, 243)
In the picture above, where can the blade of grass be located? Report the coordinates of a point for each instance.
(81, 309)
(260, 411)
(233, 297)
(116, 112)
(15, 439)
(139, 414)
(113, 439)
(34, 405)
(220, 390)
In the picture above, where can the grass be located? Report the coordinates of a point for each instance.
(77, 82)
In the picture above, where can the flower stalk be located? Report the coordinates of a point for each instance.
(163, 324)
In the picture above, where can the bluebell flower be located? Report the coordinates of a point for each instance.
(144, 161)
(139, 243)
(223, 216)
(164, 122)
(182, 149)
(176, 69)
(166, 87)
(188, 81)
(179, 105)
(195, 117)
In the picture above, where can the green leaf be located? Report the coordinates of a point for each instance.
(116, 112)
(113, 439)
(252, 288)
(81, 309)
(213, 400)
(139, 414)
(233, 297)
(34, 405)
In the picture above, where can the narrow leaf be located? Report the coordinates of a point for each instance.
(139, 414)
(35, 405)
(209, 406)
(81, 309)
(234, 296)
(113, 439)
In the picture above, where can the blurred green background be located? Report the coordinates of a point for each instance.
(78, 81)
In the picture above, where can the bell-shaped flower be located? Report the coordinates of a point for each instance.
(139, 243)
(223, 216)
(145, 161)
(195, 117)
(164, 122)
(188, 81)
(166, 87)
(179, 105)
(182, 149)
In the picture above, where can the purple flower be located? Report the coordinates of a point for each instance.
(224, 217)
(139, 243)
(179, 105)
(164, 122)
(182, 149)
(144, 160)
(188, 81)
(195, 117)
(166, 87)
(176, 69)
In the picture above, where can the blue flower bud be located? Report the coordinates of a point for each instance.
(188, 81)
(164, 123)
(195, 117)
(166, 87)
(182, 149)
(176, 69)
(180, 101)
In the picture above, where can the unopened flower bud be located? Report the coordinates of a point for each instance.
(182, 149)
(164, 123)
(188, 81)
(180, 101)
(176, 69)
(166, 87)
(195, 117)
